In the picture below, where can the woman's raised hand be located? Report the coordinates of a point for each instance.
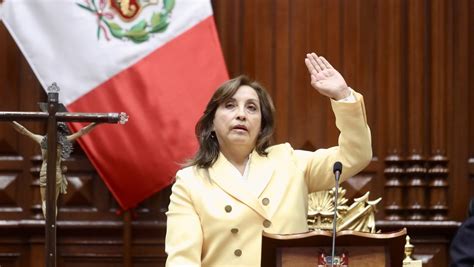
(324, 78)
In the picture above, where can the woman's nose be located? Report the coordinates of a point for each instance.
(241, 113)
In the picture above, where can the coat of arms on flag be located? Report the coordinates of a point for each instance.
(131, 23)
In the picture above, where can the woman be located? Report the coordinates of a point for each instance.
(238, 186)
(64, 149)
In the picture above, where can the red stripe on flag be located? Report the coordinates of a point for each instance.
(164, 94)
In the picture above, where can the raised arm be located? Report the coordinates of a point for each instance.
(354, 148)
(82, 131)
(21, 129)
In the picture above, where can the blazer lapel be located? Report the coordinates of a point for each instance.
(226, 176)
(261, 171)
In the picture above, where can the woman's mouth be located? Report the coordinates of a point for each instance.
(240, 128)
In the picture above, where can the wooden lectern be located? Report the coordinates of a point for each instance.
(363, 249)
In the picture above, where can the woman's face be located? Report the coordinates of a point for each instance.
(237, 121)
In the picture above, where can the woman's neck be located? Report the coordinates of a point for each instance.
(238, 158)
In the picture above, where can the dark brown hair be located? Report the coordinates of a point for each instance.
(208, 144)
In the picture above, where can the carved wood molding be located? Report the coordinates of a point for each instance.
(416, 188)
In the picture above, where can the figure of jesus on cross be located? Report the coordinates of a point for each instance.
(55, 147)
(64, 149)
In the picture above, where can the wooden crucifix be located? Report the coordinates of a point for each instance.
(54, 117)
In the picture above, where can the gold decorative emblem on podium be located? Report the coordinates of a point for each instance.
(359, 216)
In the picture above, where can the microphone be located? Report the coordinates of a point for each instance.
(337, 170)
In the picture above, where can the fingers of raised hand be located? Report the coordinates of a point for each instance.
(313, 58)
(317, 63)
(325, 62)
(312, 70)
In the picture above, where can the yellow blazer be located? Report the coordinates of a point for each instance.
(216, 218)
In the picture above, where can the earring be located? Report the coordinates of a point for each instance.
(213, 135)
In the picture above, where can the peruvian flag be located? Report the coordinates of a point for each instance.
(159, 61)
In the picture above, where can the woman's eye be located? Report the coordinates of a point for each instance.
(229, 105)
(252, 108)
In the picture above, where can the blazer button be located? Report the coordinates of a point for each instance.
(267, 223)
(265, 201)
(228, 208)
(234, 230)
(238, 252)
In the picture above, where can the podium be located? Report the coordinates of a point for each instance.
(362, 249)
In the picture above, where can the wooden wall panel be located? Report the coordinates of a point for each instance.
(440, 77)
(470, 43)
(390, 109)
(417, 91)
(461, 121)
(411, 61)
(228, 16)
(282, 67)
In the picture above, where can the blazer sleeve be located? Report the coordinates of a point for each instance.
(183, 229)
(354, 148)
